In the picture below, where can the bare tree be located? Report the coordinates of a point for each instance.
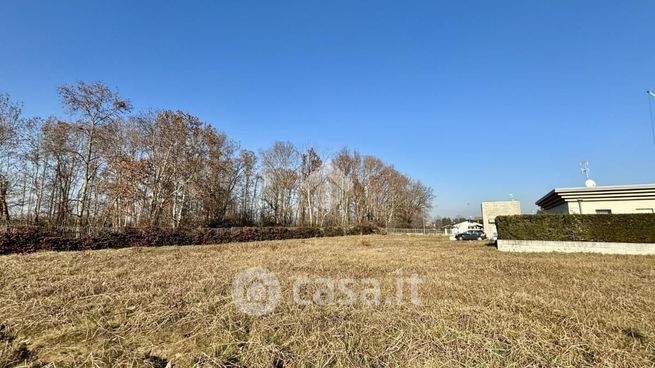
(10, 129)
(311, 179)
(96, 105)
(248, 187)
(169, 168)
(61, 143)
(281, 164)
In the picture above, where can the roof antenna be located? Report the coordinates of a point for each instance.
(584, 168)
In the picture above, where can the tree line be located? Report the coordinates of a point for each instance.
(109, 167)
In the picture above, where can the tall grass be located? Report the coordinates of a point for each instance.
(153, 307)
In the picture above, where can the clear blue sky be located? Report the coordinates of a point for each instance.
(478, 99)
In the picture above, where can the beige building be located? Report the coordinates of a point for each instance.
(604, 200)
(492, 209)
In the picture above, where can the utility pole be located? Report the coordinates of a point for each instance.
(650, 95)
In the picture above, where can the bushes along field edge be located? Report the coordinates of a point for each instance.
(28, 240)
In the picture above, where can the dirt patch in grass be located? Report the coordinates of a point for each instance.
(172, 306)
(13, 352)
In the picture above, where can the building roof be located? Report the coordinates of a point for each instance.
(558, 196)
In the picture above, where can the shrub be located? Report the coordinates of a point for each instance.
(620, 228)
(27, 240)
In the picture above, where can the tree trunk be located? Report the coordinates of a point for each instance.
(81, 204)
(4, 208)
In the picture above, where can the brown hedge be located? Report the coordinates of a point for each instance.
(27, 240)
(621, 228)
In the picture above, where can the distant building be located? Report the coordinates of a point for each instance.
(462, 227)
(493, 209)
(600, 199)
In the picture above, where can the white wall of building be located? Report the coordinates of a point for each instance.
(591, 207)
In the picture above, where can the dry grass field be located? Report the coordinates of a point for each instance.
(153, 307)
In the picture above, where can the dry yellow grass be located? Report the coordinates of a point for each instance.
(480, 307)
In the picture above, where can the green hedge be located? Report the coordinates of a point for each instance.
(623, 228)
(33, 239)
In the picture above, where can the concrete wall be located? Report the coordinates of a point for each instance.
(493, 209)
(575, 246)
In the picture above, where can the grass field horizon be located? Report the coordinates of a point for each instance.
(172, 306)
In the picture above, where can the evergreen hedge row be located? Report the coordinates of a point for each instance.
(27, 240)
(620, 228)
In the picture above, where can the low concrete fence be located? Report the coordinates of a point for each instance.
(575, 247)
